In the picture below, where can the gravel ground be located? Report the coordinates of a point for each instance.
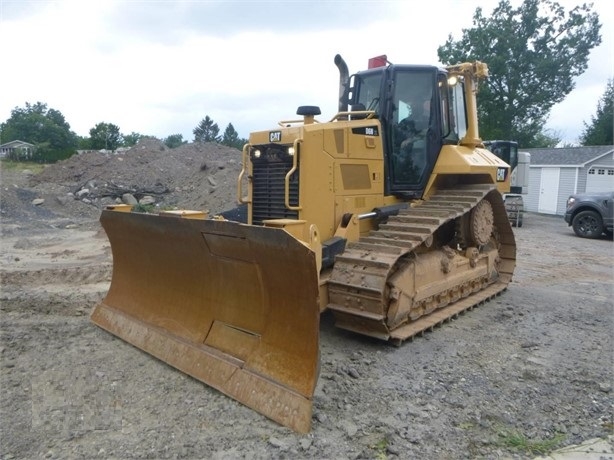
(527, 372)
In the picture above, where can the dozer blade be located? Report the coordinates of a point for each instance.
(232, 305)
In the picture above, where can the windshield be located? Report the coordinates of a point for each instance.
(368, 91)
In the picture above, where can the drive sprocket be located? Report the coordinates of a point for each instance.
(481, 223)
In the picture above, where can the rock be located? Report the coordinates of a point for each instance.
(147, 199)
(353, 373)
(128, 198)
(38, 201)
(393, 449)
(605, 387)
(305, 443)
(82, 192)
(277, 443)
(211, 180)
(349, 427)
(64, 199)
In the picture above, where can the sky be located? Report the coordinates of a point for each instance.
(159, 67)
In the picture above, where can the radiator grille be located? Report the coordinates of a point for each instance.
(268, 183)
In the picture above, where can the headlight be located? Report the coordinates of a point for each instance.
(291, 151)
(257, 153)
(570, 201)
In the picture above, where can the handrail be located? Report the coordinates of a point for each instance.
(244, 156)
(366, 113)
(369, 114)
(287, 180)
(286, 123)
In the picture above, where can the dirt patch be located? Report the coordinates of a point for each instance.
(528, 370)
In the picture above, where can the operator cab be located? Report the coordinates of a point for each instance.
(420, 111)
(506, 150)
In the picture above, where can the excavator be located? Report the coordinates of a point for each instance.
(389, 215)
(519, 183)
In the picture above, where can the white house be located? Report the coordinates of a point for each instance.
(555, 174)
(26, 149)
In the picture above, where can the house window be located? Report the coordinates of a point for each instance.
(601, 172)
(610, 172)
(591, 171)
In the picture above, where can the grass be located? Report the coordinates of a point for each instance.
(380, 449)
(519, 441)
(144, 208)
(22, 165)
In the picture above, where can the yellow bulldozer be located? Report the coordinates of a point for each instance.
(390, 215)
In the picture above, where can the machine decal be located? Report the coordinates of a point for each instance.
(275, 136)
(501, 174)
(366, 131)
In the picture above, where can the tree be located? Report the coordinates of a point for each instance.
(601, 129)
(174, 141)
(131, 139)
(206, 131)
(105, 136)
(231, 138)
(547, 139)
(43, 127)
(83, 143)
(533, 53)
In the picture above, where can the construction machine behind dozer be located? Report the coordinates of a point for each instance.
(390, 215)
(519, 182)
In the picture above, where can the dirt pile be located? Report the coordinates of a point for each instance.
(192, 176)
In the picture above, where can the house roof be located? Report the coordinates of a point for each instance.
(568, 156)
(14, 144)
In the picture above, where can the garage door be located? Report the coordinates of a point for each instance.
(600, 179)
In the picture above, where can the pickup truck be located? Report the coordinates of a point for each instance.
(591, 214)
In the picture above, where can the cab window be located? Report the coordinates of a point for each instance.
(410, 121)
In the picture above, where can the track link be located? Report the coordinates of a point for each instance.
(360, 288)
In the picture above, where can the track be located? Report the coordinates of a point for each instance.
(409, 275)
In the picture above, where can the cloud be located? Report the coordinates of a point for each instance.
(169, 21)
(158, 67)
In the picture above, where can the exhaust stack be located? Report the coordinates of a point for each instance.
(344, 83)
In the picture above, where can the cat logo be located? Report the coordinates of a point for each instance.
(501, 174)
(275, 136)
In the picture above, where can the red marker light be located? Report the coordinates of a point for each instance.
(378, 61)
